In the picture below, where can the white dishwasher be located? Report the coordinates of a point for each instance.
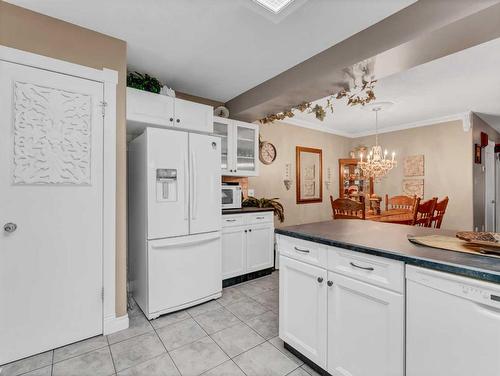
(452, 325)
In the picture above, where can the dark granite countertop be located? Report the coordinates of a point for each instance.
(245, 210)
(390, 240)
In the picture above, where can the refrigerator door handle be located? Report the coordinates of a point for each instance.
(186, 189)
(194, 182)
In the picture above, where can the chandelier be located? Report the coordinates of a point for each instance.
(376, 165)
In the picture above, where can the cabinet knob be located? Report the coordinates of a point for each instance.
(178, 120)
(329, 283)
(320, 279)
(171, 119)
(250, 230)
(245, 230)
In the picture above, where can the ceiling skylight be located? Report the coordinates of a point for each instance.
(274, 6)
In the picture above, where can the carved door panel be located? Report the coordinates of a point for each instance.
(51, 134)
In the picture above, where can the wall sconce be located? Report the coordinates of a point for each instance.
(287, 180)
(328, 180)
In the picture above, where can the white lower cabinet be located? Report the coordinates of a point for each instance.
(234, 261)
(303, 308)
(260, 247)
(365, 329)
(247, 243)
(342, 321)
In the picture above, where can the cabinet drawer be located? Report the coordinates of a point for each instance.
(264, 217)
(302, 250)
(232, 220)
(376, 270)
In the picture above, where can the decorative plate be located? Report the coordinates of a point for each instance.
(221, 111)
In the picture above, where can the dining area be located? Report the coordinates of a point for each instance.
(402, 209)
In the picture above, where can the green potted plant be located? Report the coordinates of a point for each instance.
(252, 202)
(144, 82)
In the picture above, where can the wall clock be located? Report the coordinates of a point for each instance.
(267, 152)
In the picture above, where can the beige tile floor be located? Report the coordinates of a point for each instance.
(235, 335)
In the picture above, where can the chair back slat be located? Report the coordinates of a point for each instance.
(400, 202)
(345, 208)
(424, 212)
(439, 211)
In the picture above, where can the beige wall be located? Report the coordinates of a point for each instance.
(270, 181)
(478, 126)
(447, 154)
(33, 32)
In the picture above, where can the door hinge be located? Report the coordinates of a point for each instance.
(103, 105)
(102, 294)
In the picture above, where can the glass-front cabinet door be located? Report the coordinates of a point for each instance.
(223, 129)
(246, 149)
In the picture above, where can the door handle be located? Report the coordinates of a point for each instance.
(369, 268)
(194, 182)
(186, 189)
(10, 227)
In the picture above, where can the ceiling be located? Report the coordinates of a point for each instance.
(219, 49)
(436, 91)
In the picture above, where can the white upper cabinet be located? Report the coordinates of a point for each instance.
(193, 116)
(240, 147)
(150, 109)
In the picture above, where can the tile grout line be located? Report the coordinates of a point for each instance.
(165, 347)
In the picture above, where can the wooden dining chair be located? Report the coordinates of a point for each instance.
(400, 202)
(439, 210)
(345, 208)
(424, 213)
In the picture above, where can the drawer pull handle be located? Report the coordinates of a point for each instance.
(260, 217)
(369, 268)
(302, 250)
(230, 220)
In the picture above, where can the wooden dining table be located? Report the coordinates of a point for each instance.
(392, 216)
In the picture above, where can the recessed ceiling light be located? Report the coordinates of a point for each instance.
(274, 6)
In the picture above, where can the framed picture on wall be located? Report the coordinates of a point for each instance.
(309, 170)
(477, 154)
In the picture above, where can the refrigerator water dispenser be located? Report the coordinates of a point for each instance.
(166, 184)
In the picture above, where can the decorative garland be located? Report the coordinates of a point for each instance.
(363, 96)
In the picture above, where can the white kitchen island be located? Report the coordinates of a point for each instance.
(374, 306)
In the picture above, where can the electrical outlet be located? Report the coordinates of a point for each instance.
(251, 192)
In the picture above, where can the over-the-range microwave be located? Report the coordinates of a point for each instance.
(231, 196)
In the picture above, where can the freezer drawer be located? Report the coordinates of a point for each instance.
(183, 271)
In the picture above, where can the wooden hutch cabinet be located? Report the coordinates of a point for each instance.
(352, 183)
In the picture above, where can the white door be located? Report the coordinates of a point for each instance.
(193, 116)
(206, 198)
(234, 261)
(260, 244)
(51, 134)
(489, 181)
(247, 149)
(183, 270)
(168, 183)
(224, 129)
(150, 108)
(302, 311)
(365, 329)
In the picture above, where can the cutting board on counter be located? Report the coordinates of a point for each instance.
(451, 243)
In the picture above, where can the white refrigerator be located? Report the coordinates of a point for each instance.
(174, 206)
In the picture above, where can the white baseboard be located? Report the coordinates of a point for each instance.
(115, 324)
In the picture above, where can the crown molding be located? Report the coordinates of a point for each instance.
(313, 126)
(465, 117)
